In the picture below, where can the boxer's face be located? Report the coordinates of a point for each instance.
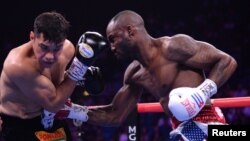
(120, 43)
(47, 52)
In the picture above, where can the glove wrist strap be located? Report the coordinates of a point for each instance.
(78, 112)
(77, 70)
(208, 87)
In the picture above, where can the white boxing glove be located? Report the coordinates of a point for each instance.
(185, 102)
(70, 111)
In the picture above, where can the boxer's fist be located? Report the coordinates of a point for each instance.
(94, 82)
(89, 46)
(73, 111)
(185, 103)
(69, 111)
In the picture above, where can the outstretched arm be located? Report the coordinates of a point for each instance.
(115, 113)
(107, 115)
(123, 103)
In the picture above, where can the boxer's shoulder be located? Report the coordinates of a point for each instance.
(16, 66)
(68, 51)
(131, 70)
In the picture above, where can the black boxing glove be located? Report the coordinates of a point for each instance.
(94, 82)
(89, 46)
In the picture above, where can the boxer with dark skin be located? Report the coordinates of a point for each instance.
(172, 69)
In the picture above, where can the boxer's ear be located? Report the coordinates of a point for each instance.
(32, 35)
(130, 30)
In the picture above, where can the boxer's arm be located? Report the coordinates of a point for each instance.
(115, 113)
(122, 104)
(185, 50)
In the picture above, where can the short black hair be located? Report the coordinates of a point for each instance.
(53, 25)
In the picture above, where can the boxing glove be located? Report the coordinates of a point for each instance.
(185, 102)
(89, 46)
(69, 111)
(94, 82)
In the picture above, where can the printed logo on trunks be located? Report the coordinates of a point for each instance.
(57, 135)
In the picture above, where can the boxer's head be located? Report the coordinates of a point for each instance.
(48, 36)
(53, 26)
(124, 33)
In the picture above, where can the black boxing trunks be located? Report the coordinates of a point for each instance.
(16, 129)
(196, 128)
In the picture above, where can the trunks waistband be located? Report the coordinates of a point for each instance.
(16, 121)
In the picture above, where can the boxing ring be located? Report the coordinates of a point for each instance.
(155, 107)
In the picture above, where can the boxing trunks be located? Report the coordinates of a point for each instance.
(196, 128)
(16, 129)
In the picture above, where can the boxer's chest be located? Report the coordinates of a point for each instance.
(158, 79)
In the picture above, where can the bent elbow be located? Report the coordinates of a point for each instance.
(228, 63)
(233, 64)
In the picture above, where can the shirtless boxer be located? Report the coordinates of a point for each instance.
(33, 78)
(172, 69)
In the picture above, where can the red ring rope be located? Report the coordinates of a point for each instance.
(218, 102)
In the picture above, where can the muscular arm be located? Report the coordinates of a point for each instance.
(39, 88)
(123, 103)
(185, 50)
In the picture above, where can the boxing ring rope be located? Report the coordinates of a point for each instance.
(218, 102)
